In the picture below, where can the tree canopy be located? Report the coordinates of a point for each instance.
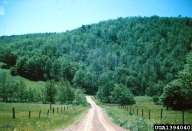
(143, 54)
(178, 93)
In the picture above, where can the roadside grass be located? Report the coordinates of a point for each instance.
(58, 120)
(130, 120)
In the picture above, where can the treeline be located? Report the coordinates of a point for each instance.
(142, 54)
(13, 90)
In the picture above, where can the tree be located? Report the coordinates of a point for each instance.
(21, 64)
(137, 51)
(7, 55)
(70, 92)
(62, 92)
(185, 76)
(10, 89)
(172, 95)
(40, 94)
(50, 92)
(88, 82)
(107, 88)
(3, 80)
(78, 82)
(68, 70)
(30, 95)
(178, 93)
(80, 96)
(103, 78)
(56, 70)
(122, 95)
(21, 91)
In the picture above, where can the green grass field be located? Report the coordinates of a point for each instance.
(58, 120)
(121, 115)
(22, 122)
(28, 83)
(170, 116)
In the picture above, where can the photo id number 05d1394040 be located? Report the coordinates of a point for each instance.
(172, 127)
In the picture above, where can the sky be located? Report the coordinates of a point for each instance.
(40, 16)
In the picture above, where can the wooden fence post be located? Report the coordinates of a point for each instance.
(39, 113)
(57, 110)
(149, 114)
(133, 110)
(47, 112)
(64, 108)
(29, 114)
(142, 112)
(13, 109)
(161, 114)
(50, 106)
(130, 111)
(183, 115)
(61, 109)
(137, 111)
(53, 110)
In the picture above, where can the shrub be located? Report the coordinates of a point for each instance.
(13, 71)
(155, 98)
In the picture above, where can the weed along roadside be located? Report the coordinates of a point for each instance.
(144, 114)
(39, 117)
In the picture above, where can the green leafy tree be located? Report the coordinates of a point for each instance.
(103, 78)
(50, 92)
(68, 69)
(70, 92)
(80, 96)
(172, 95)
(137, 51)
(185, 76)
(122, 95)
(10, 89)
(178, 93)
(7, 55)
(3, 80)
(62, 92)
(30, 95)
(107, 88)
(56, 70)
(78, 82)
(21, 64)
(88, 82)
(21, 91)
(40, 92)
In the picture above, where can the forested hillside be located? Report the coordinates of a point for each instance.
(142, 54)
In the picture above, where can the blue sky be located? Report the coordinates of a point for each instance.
(40, 16)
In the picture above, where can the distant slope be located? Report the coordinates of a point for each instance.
(29, 84)
(143, 53)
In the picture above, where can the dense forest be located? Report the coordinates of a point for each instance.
(137, 55)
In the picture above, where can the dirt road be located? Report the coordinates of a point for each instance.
(95, 120)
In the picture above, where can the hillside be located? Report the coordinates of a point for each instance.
(142, 53)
